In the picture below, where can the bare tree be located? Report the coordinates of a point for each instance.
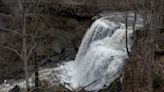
(24, 54)
(153, 8)
(152, 30)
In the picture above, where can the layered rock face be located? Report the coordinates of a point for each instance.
(60, 29)
(81, 8)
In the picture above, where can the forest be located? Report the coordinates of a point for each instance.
(42, 34)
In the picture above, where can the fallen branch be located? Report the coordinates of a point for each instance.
(88, 85)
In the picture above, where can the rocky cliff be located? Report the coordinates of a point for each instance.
(60, 30)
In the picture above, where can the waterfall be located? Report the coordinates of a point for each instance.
(99, 61)
(100, 57)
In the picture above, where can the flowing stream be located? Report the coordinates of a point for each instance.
(99, 61)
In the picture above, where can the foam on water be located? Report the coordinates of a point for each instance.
(99, 61)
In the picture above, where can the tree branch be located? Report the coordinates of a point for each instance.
(12, 50)
(30, 52)
(10, 30)
(20, 5)
(32, 47)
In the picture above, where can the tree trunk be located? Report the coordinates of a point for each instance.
(36, 71)
(151, 61)
(25, 47)
(35, 52)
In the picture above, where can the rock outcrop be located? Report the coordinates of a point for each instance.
(60, 30)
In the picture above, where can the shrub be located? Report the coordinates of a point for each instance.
(157, 81)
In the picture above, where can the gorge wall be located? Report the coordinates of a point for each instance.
(60, 30)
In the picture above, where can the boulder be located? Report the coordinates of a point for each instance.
(51, 64)
(55, 58)
(58, 48)
(69, 52)
(42, 61)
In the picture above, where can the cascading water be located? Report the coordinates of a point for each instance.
(101, 55)
(99, 61)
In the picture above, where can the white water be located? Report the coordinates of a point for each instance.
(99, 61)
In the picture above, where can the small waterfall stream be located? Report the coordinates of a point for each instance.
(99, 61)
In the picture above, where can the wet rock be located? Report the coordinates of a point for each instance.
(42, 61)
(53, 88)
(55, 58)
(58, 48)
(69, 52)
(77, 43)
(95, 17)
(16, 89)
(51, 64)
(54, 42)
(71, 23)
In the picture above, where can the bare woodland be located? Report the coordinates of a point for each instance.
(138, 74)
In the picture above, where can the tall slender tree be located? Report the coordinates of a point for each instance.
(24, 54)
